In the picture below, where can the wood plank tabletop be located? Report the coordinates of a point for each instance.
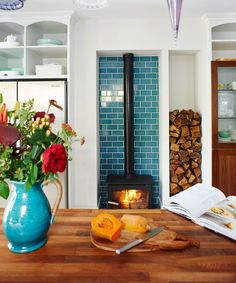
(70, 257)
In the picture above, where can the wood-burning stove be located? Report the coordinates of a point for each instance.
(129, 190)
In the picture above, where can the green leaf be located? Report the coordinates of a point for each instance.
(1, 98)
(28, 184)
(34, 173)
(4, 190)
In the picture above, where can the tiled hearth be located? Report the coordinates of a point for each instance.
(111, 121)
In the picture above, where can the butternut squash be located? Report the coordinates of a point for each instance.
(107, 226)
(135, 223)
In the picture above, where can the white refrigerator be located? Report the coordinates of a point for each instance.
(42, 91)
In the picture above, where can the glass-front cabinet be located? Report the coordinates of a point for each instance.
(224, 125)
(224, 103)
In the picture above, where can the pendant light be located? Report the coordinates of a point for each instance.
(175, 11)
(11, 4)
(91, 4)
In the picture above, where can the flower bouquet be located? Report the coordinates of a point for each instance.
(29, 150)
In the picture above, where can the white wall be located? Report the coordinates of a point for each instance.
(182, 81)
(137, 36)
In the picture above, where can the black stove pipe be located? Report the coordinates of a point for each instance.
(129, 113)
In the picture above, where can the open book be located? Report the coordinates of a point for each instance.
(207, 206)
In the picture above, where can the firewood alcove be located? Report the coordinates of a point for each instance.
(185, 150)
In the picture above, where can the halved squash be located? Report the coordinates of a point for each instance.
(107, 226)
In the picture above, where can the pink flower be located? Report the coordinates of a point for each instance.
(54, 159)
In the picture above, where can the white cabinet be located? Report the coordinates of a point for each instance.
(224, 41)
(27, 51)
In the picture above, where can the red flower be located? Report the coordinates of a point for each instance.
(54, 159)
(42, 114)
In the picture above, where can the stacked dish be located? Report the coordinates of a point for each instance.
(48, 41)
(6, 44)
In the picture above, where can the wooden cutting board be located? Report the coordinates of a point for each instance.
(165, 240)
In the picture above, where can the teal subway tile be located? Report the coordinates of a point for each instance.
(139, 132)
(117, 155)
(105, 76)
(152, 64)
(150, 144)
(118, 166)
(112, 149)
(117, 76)
(146, 149)
(151, 110)
(102, 70)
(146, 70)
(140, 98)
(112, 161)
(155, 81)
(139, 76)
(146, 115)
(155, 138)
(145, 93)
(102, 59)
(118, 144)
(151, 133)
(151, 76)
(140, 155)
(120, 127)
(151, 98)
(151, 155)
(136, 70)
(155, 160)
(121, 161)
(111, 70)
(106, 110)
(141, 87)
(154, 70)
(150, 121)
(140, 143)
(136, 58)
(154, 58)
(146, 127)
(151, 87)
(112, 59)
(145, 58)
(146, 161)
(145, 81)
(147, 138)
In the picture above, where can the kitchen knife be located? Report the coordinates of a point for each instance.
(136, 242)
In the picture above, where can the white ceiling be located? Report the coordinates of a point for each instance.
(134, 8)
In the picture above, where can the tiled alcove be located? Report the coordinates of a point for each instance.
(111, 120)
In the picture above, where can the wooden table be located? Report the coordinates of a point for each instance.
(70, 257)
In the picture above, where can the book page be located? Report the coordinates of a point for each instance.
(217, 225)
(196, 200)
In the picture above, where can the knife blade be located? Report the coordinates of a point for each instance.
(136, 242)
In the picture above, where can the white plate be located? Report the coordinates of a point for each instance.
(9, 44)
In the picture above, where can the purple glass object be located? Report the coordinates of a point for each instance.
(11, 4)
(175, 11)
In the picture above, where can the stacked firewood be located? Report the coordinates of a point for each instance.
(185, 150)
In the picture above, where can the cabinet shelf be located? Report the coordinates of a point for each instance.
(226, 117)
(28, 54)
(224, 44)
(49, 51)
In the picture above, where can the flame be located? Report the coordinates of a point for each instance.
(130, 196)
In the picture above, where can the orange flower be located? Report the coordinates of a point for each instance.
(3, 114)
(69, 130)
(82, 140)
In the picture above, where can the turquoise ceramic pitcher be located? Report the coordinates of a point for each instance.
(28, 216)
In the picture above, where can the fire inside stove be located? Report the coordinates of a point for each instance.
(129, 198)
